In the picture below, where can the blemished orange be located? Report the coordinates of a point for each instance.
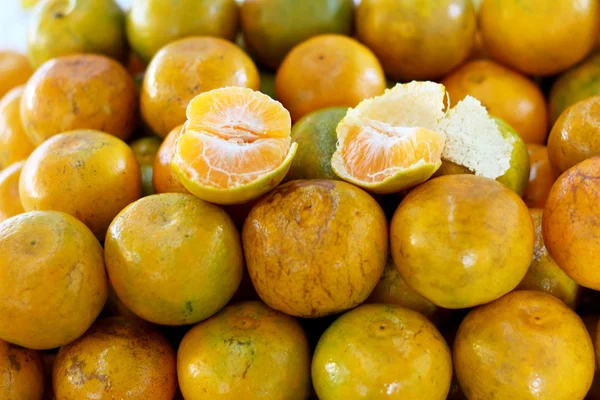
(10, 200)
(505, 93)
(185, 68)
(539, 37)
(247, 351)
(520, 347)
(83, 91)
(52, 279)
(89, 174)
(164, 179)
(157, 267)
(21, 373)
(328, 71)
(541, 176)
(462, 240)
(570, 225)
(575, 136)
(315, 247)
(235, 145)
(14, 143)
(382, 351)
(417, 40)
(117, 358)
(15, 70)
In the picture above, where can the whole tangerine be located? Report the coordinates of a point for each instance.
(21, 373)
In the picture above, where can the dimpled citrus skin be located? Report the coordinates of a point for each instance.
(14, 143)
(10, 200)
(52, 279)
(571, 224)
(381, 351)
(527, 345)
(173, 259)
(248, 351)
(15, 70)
(164, 179)
(315, 247)
(117, 358)
(21, 373)
(462, 240)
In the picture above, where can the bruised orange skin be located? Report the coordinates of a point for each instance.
(21, 373)
(117, 358)
(185, 68)
(10, 200)
(15, 70)
(164, 179)
(505, 93)
(247, 351)
(571, 224)
(379, 351)
(52, 279)
(541, 176)
(526, 345)
(84, 91)
(315, 247)
(14, 143)
(173, 259)
(462, 240)
(327, 71)
(88, 174)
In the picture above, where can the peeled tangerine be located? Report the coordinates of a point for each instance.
(235, 146)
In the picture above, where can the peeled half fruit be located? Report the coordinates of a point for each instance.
(235, 146)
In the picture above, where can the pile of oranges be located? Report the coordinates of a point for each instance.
(301, 199)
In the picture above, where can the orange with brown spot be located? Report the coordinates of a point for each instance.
(164, 179)
(10, 200)
(14, 143)
(541, 176)
(21, 373)
(15, 70)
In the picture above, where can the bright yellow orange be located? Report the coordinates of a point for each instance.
(185, 68)
(247, 351)
(327, 71)
(14, 143)
(10, 200)
(15, 70)
(52, 279)
(164, 179)
(541, 176)
(521, 347)
(21, 373)
(117, 358)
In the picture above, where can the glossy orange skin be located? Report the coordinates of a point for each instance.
(10, 200)
(247, 351)
(541, 176)
(327, 71)
(85, 91)
(21, 373)
(505, 93)
(89, 174)
(164, 179)
(145, 150)
(315, 247)
(15, 70)
(117, 358)
(526, 345)
(14, 143)
(417, 40)
(381, 351)
(539, 37)
(52, 279)
(576, 135)
(462, 240)
(185, 68)
(157, 267)
(571, 225)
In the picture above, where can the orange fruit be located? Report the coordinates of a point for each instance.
(234, 147)
(541, 176)
(247, 351)
(462, 240)
(185, 68)
(570, 225)
(538, 37)
(145, 150)
(521, 347)
(15, 70)
(327, 71)
(14, 143)
(379, 351)
(85, 91)
(21, 373)
(10, 200)
(117, 358)
(505, 93)
(576, 135)
(591, 323)
(315, 247)
(273, 27)
(164, 179)
(416, 39)
(88, 174)
(156, 266)
(52, 279)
